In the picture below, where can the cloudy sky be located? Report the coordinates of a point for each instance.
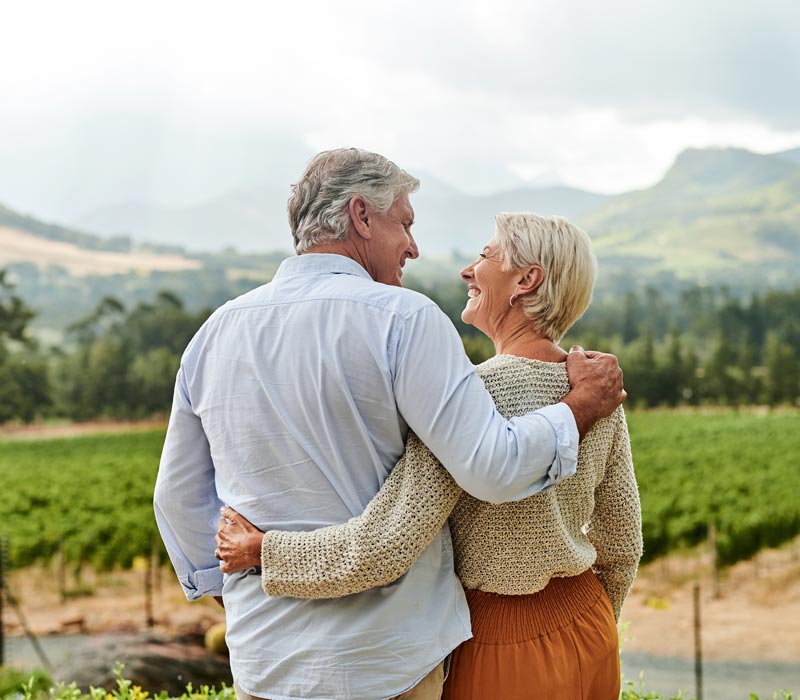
(103, 102)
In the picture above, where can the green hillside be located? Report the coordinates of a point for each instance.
(54, 232)
(715, 211)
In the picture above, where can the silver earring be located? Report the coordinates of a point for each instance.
(512, 300)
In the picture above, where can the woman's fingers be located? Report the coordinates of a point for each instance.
(238, 541)
(229, 514)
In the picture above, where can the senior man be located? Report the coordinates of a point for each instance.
(292, 405)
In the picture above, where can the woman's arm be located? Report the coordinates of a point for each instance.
(372, 549)
(616, 526)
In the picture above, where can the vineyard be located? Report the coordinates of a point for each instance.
(737, 471)
(89, 499)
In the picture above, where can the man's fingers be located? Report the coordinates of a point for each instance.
(577, 348)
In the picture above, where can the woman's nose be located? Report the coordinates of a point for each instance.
(466, 273)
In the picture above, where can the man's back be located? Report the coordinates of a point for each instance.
(293, 384)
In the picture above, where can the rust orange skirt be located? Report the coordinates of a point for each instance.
(558, 644)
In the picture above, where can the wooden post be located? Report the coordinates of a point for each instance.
(155, 557)
(2, 593)
(148, 592)
(61, 565)
(712, 546)
(698, 651)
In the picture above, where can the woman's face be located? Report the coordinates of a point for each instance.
(489, 288)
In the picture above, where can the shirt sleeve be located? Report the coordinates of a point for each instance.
(615, 529)
(441, 397)
(185, 500)
(372, 549)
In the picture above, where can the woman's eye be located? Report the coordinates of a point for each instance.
(482, 255)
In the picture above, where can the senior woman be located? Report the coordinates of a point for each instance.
(545, 577)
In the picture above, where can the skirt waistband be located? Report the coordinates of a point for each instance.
(506, 619)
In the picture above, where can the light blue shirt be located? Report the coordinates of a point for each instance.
(292, 405)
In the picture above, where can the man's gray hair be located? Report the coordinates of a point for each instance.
(319, 205)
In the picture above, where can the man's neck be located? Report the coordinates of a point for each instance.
(348, 249)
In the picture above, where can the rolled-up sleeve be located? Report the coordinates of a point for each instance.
(185, 499)
(446, 404)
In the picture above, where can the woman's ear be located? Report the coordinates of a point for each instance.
(360, 217)
(529, 280)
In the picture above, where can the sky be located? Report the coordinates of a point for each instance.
(174, 103)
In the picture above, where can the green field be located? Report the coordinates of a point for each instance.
(91, 496)
(740, 471)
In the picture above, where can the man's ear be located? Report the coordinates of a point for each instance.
(360, 216)
(529, 280)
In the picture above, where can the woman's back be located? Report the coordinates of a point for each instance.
(593, 517)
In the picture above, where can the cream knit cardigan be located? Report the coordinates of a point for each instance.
(592, 519)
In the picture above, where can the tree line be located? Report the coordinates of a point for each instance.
(115, 363)
(701, 346)
(697, 345)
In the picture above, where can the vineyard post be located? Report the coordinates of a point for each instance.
(698, 652)
(712, 546)
(61, 566)
(2, 594)
(148, 592)
(155, 556)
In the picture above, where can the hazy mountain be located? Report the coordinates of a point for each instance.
(246, 219)
(460, 222)
(793, 155)
(255, 219)
(714, 210)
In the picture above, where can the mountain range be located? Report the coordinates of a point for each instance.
(716, 211)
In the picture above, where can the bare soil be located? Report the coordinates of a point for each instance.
(20, 246)
(42, 431)
(755, 616)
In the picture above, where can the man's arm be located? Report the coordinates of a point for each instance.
(185, 500)
(446, 404)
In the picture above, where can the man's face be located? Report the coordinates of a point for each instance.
(392, 243)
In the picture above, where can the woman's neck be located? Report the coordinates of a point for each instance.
(527, 343)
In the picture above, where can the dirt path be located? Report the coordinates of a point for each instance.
(66, 429)
(755, 618)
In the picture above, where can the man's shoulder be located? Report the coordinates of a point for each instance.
(397, 300)
(345, 289)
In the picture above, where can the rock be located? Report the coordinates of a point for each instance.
(153, 662)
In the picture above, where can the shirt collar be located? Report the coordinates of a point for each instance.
(315, 263)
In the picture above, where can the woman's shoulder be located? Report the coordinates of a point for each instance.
(519, 385)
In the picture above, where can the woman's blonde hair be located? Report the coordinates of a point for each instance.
(564, 252)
